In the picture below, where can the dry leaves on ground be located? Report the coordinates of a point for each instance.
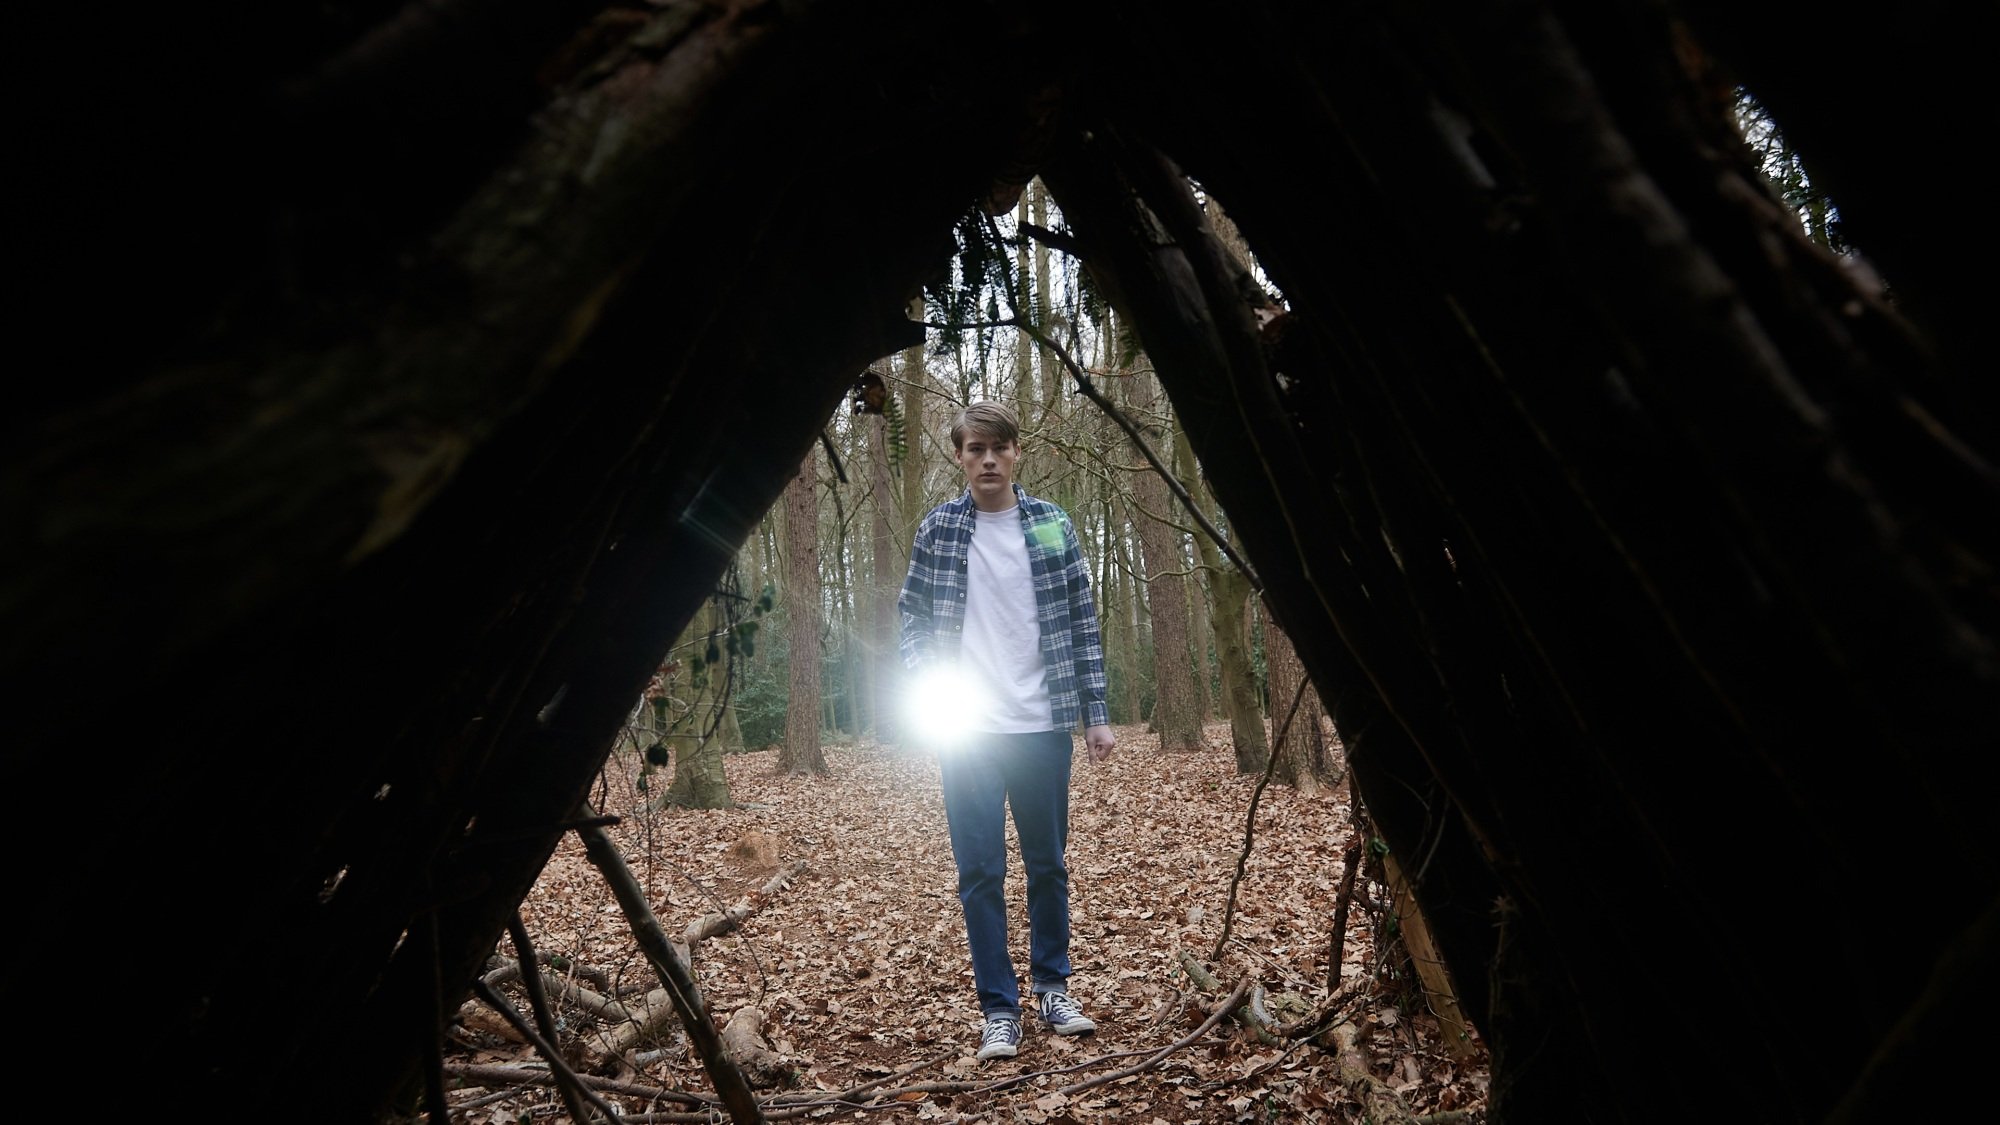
(856, 957)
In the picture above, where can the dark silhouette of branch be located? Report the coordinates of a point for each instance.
(1337, 941)
(674, 973)
(573, 1095)
(566, 1079)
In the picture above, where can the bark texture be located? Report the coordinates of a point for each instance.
(465, 342)
(1229, 594)
(698, 735)
(801, 753)
(1177, 712)
(1298, 732)
(889, 559)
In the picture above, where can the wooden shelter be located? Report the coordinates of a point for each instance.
(400, 376)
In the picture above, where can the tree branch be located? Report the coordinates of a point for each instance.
(573, 1095)
(673, 972)
(567, 1079)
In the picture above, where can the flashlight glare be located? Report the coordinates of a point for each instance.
(941, 704)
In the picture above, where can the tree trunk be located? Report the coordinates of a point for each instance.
(1229, 595)
(1121, 664)
(1304, 759)
(1176, 705)
(887, 564)
(695, 733)
(801, 753)
(1201, 625)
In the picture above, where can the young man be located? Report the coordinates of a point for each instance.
(998, 590)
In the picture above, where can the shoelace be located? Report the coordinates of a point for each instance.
(1059, 1007)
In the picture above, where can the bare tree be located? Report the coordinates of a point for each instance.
(1176, 706)
(801, 753)
(1229, 618)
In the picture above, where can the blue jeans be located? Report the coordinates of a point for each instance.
(981, 780)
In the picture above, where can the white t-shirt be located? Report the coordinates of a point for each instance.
(1002, 646)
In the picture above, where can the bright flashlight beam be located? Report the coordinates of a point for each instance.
(941, 704)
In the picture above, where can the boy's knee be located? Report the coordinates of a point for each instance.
(980, 876)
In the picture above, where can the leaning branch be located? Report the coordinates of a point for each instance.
(674, 973)
(566, 1078)
(574, 1095)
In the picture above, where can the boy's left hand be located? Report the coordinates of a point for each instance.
(1099, 741)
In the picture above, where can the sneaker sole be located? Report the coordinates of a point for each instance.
(997, 1053)
(1084, 1027)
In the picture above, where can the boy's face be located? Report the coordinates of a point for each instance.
(989, 470)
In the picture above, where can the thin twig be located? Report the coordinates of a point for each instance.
(1337, 941)
(1215, 1016)
(826, 443)
(515, 1074)
(1250, 822)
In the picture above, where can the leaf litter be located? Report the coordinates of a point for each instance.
(857, 962)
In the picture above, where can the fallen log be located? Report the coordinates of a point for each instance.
(715, 925)
(744, 1039)
(1379, 1104)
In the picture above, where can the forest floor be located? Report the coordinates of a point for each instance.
(853, 951)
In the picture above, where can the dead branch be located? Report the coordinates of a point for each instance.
(597, 1004)
(1249, 1014)
(1337, 941)
(1215, 1016)
(643, 1018)
(1431, 971)
(715, 925)
(516, 1074)
(510, 969)
(566, 1078)
(744, 1039)
(674, 972)
(1379, 1103)
(1250, 818)
(474, 1016)
(573, 1094)
(637, 1020)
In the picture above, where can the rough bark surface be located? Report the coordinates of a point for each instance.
(801, 753)
(1298, 733)
(1176, 716)
(888, 559)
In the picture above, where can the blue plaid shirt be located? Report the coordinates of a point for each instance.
(933, 602)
